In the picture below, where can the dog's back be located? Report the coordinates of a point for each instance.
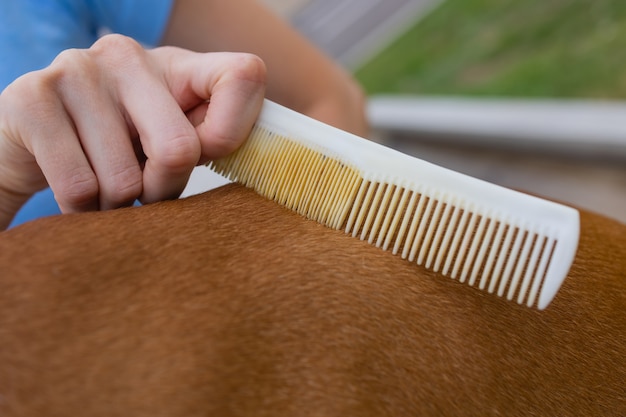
(227, 304)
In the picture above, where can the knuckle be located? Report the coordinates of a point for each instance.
(78, 189)
(222, 144)
(121, 44)
(20, 92)
(249, 67)
(71, 67)
(31, 97)
(123, 187)
(67, 58)
(178, 154)
(118, 51)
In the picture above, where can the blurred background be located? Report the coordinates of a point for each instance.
(527, 94)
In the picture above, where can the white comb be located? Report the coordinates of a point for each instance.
(487, 236)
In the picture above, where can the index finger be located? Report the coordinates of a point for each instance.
(234, 85)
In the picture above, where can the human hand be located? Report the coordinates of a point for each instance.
(115, 123)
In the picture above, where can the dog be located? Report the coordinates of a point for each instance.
(228, 304)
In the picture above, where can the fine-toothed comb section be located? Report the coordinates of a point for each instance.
(487, 236)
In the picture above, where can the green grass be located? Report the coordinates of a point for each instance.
(527, 48)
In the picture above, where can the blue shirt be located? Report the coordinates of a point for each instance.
(33, 32)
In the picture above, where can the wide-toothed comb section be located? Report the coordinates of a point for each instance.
(511, 244)
(465, 243)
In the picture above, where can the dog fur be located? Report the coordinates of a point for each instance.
(228, 304)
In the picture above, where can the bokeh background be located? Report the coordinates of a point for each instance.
(527, 94)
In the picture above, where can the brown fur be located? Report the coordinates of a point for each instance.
(226, 304)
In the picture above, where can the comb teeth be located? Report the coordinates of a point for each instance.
(486, 236)
(301, 179)
(455, 240)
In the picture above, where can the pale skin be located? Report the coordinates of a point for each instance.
(116, 122)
